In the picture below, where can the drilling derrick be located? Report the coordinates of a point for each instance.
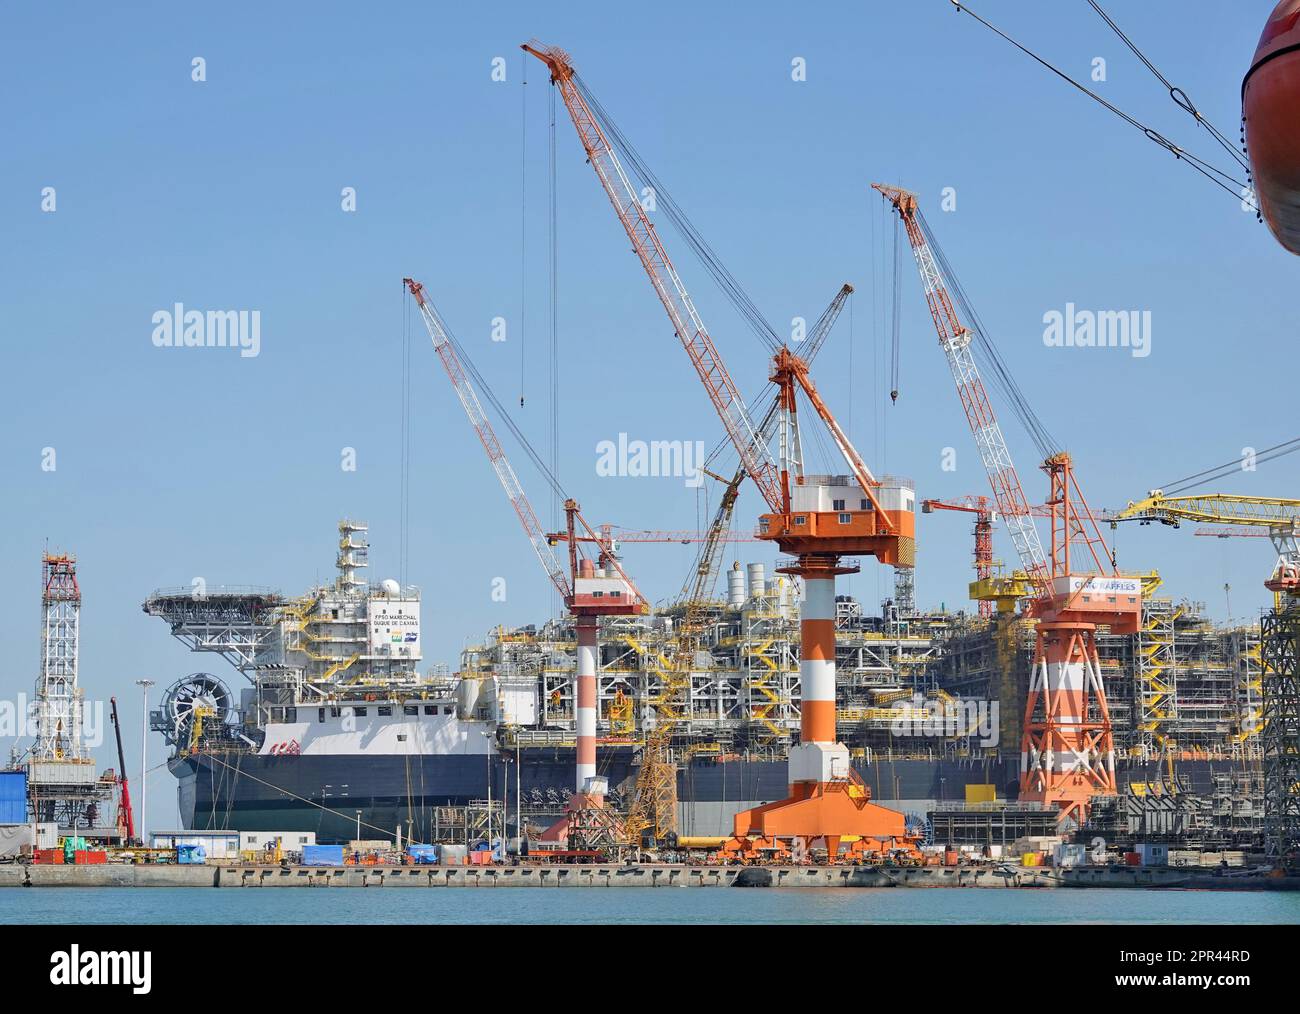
(62, 783)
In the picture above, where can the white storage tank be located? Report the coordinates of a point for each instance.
(735, 586)
(757, 581)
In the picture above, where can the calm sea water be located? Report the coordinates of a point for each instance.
(636, 905)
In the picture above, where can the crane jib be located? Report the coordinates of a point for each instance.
(682, 314)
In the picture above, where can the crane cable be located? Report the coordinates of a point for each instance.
(557, 506)
(759, 406)
(404, 487)
(1214, 175)
(1228, 468)
(523, 223)
(1180, 97)
(727, 282)
(895, 315)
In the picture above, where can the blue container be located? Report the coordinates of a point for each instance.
(191, 855)
(423, 854)
(322, 855)
(13, 797)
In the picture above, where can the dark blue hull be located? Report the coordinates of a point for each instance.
(247, 792)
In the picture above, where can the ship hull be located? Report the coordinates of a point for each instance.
(322, 794)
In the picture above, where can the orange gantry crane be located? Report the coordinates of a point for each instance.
(817, 519)
(1067, 752)
(589, 591)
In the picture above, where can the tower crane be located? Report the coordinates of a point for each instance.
(985, 516)
(817, 519)
(1067, 752)
(991, 591)
(588, 592)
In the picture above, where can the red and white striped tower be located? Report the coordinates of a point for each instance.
(818, 757)
(586, 711)
(817, 666)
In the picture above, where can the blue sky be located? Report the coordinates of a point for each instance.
(225, 194)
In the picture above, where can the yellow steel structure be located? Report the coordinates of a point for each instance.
(1213, 508)
(654, 807)
(1279, 515)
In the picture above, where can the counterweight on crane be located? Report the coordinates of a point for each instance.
(1067, 752)
(817, 519)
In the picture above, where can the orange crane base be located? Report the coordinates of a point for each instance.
(810, 812)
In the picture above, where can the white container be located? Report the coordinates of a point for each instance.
(47, 835)
(1067, 855)
(290, 841)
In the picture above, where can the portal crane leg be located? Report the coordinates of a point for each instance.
(1067, 752)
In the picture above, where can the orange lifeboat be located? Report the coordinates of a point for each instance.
(1270, 102)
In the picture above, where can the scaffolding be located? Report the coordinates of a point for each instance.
(482, 820)
(991, 823)
(1178, 686)
(1281, 734)
(1155, 696)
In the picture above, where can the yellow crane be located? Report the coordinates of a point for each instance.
(1279, 516)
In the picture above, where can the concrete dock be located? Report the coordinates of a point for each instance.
(609, 875)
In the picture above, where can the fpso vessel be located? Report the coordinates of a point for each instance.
(337, 731)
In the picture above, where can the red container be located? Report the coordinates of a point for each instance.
(48, 857)
(1132, 859)
(950, 859)
(483, 858)
(89, 858)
